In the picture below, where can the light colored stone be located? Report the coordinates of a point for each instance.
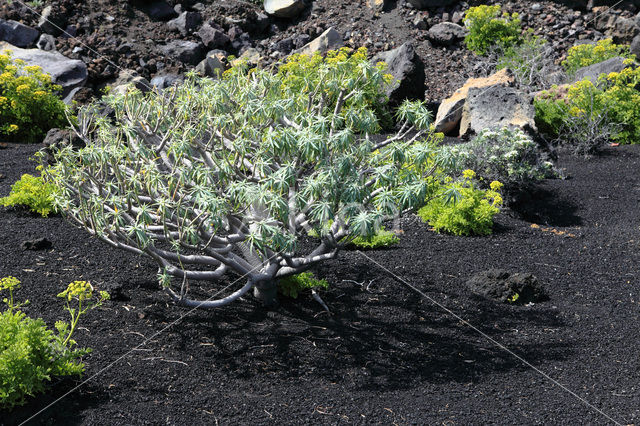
(450, 110)
(70, 74)
(496, 107)
(213, 65)
(328, 40)
(284, 8)
(592, 72)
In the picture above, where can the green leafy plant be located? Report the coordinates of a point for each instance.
(471, 213)
(382, 238)
(32, 192)
(584, 55)
(32, 354)
(488, 27)
(293, 285)
(506, 155)
(589, 114)
(225, 175)
(29, 106)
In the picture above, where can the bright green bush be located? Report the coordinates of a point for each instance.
(32, 354)
(31, 192)
(488, 27)
(584, 55)
(28, 104)
(471, 213)
(382, 238)
(505, 155)
(292, 285)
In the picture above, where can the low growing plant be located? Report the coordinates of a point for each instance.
(382, 238)
(293, 285)
(218, 176)
(489, 27)
(471, 213)
(29, 106)
(505, 155)
(32, 354)
(583, 55)
(33, 193)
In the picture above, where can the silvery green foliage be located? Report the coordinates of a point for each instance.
(219, 176)
(506, 155)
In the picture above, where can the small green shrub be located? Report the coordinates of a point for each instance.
(584, 55)
(28, 104)
(471, 213)
(488, 27)
(382, 238)
(31, 353)
(611, 108)
(291, 286)
(505, 155)
(31, 192)
(532, 63)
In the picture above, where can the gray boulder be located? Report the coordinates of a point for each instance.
(186, 23)
(163, 81)
(58, 138)
(328, 40)
(46, 42)
(446, 33)
(17, 34)
(188, 52)
(407, 69)
(504, 287)
(284, 8)
(213, 38)
(425, 4)
(496, 107)
(69, 73)
(213, 65)
(635, 46)
(592, 72)
(130, 79)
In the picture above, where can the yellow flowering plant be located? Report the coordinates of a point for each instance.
(488, 27)
(584, 55)
(29, 106)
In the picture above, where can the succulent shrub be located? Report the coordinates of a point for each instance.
(32, 192)
(470, 213)
(29, 106)
(32, 354)
(584, 55)
(223, 176)
(380, 239)
(505, 155)
(488, 27)
(293, 285)
(592, 114)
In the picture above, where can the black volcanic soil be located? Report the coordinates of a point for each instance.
(384, 355)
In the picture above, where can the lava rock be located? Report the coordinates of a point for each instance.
(328, 40)
(186, 23)
(284, 8)
(635, 46)
(37, 244)
(58, 138)
(17, 34)
(130, 79)
(213, 37)
(450, 109)
(51, 21)
(214, 64)
(188, 52)
(497, 107)
(67, 73)
(446, 33)
(407, 69)
(47, 42)
(592, 72)
(504, 287)
(425, 4)
(165, 80)
(161, 11)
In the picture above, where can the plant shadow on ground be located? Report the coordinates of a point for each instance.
(543, 206)
(382, 339)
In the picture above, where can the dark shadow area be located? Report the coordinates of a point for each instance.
(544, 207)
